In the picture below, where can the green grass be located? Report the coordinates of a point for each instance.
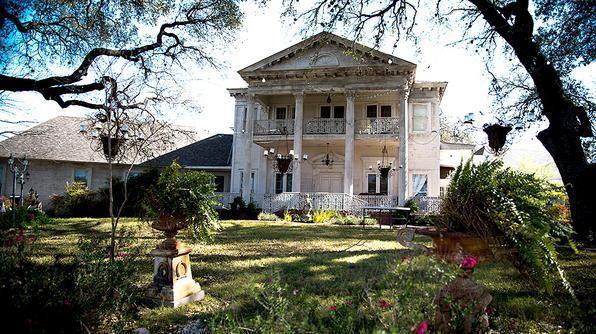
(324, 262)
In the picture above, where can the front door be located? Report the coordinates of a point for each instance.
(330, 183)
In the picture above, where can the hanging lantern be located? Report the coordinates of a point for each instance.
(497, 136)
(328, 160)
(114, 143)
(283, 163)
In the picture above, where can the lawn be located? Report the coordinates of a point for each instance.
(324, 263)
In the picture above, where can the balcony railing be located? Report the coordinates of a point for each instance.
(370, 126)
(274, 127)
(325, 126)
(377, 126)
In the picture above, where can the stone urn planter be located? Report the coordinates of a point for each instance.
(173, 284)
(451, 245)
(461, 306)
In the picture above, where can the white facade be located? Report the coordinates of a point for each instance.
(328, 97)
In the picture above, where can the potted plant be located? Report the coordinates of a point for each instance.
(489, 208)
(179, 200)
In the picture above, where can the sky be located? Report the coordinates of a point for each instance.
(264, 33)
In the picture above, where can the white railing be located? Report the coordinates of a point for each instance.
(325, 126)
(376, 126)
(226, 198)
(274, 127)
(315, 201)
(428, 205)
(379, 200)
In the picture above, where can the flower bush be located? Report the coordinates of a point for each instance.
(323, 216)
(510, 208)
(268, 216)
(25, 218)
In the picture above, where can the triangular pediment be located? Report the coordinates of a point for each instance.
(326, 50)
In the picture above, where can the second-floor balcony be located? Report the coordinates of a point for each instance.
(324, 126)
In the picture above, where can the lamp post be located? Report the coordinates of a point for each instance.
(19, 174)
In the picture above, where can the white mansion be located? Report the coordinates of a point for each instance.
(338, 113)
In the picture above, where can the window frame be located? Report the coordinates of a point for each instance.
(87, 176)
(376, 110)
(420, 173)
(223, 183)
(427, 124)
(380, 111)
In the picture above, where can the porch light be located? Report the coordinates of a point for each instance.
(98, 126)
(82, 129)
(124, 128)
(291, 152)
(328, 160)
(140, 136)
(305, 157)
(469, 118)
(389, 61)
(281, 162)
(370, 167)
(263, 80)
(272, 150)
(266, 153)
(329, 98)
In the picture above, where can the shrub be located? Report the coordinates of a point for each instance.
(268, 216)
(237, 204)
(81, 294)
(77, 201)
(323, 216)
(513, 208)
(287, 216)
(353, 220)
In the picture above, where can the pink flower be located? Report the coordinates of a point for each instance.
(66, 302)
(20, 237)
(384, 304)
(349, 302)
(489, 310)
(422, 328)
(332, 308)
(30, 216)
(407, 258)
(269, 279)
(469, 262)
(122, 254)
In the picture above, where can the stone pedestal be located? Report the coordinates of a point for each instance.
(172, 279)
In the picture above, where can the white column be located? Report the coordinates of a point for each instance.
(349, 145)
(402, 185)
(250, 112)
(297, 169)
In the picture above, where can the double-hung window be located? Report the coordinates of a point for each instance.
(420, 117)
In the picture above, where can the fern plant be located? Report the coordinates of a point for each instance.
(510, 208)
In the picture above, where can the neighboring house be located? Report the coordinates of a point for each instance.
(452, 155)
(58, 154)
(328, 97)
(213, 155)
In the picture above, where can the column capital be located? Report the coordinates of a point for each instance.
(298, 95)
(350, 94)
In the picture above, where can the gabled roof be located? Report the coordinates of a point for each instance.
(359, 50)
(59, 139)
(215, 151)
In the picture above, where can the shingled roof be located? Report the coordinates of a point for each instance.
(59, 139)
(215, 151)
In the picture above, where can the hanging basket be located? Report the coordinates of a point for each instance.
(497, 136)
(114, 143)
(283, 163)
(384, 171)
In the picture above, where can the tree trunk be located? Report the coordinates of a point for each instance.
(566, 121)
